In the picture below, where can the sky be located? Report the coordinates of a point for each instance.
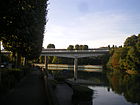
(96, 23)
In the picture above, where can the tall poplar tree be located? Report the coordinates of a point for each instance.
(22, 26)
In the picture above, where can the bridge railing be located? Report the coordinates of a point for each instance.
(74, 50)
(65, 51)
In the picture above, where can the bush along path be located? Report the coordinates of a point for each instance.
(9, 78)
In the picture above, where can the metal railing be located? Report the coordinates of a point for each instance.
(59, 50)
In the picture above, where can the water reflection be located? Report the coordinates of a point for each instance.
(104, 97)
(121, 89)
(126, 85)
(82, 95)
(80, 101)
(114, 89)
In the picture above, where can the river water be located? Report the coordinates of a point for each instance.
(115, 89)
(105, 96)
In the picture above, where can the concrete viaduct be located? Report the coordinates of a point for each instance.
(75, 54)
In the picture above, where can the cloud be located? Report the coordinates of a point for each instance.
(95, 29)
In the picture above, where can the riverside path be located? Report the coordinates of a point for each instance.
(29, 92)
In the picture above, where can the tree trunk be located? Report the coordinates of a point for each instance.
(18, 60)
(24, 62)
(14, 60)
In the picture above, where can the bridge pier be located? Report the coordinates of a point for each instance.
(75, 68)
(24, 61)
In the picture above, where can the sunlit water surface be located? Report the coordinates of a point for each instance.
(105, 96)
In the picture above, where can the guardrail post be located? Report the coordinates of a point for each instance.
(75, 68)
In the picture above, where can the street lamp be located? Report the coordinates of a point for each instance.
(0, 61)
(0, 52)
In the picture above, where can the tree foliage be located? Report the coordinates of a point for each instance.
(127, 57)
(81, 47)
(114, 60)
(22, 26)
(78, 47)
(70, 47)
(126, 84)
(131, 41)
(51, 46)
(51, 58)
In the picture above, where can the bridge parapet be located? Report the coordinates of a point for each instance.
(70, 54)
(73, 53)
(65, 50)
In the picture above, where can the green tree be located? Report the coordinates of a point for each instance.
(80, 47)
(77, 47)
(22, 26)
(123, 61)
(131, 41)
(51, 46)
(70, 47)
(127, 57)
(57, 60)
(115, 58)
(85, 47)
(50, 58)
(133, 59)
(138, 44)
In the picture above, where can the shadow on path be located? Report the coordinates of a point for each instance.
(64, 94)
(29, 92)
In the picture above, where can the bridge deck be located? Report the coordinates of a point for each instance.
(73, 53)
(69, 53)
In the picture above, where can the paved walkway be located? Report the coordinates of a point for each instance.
(64, 94)
(29, 92)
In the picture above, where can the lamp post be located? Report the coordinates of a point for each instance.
(0, 52)
(0, 61)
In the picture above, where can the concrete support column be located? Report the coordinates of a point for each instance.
(24, 61)
(75, 68)
(46, 62)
